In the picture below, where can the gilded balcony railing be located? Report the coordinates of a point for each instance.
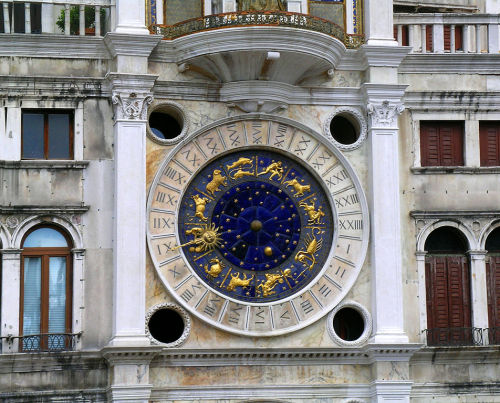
(258, 18)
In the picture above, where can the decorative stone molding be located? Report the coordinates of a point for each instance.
(185, 317)
(132, 106)
(385, 114)
(172, 108)
(367, 319)
(258, 106)
(360, 121)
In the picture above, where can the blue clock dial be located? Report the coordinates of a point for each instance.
(255, 226)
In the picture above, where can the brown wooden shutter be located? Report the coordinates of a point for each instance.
(493, 284)
(429, 144)
(441, 144)
(446, 37)
(428, 38)
(489, 141)
(458, 37)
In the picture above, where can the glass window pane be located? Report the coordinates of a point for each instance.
(33, 135)
(32, 292)
(57, 295)
(59, 136)
(45, 237)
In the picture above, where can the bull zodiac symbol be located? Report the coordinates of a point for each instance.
(236, 281)
(307, 256)
(217, 181)
(245, 163)
(276, 168)
(299, 189)
(272, 280)
(314, 215)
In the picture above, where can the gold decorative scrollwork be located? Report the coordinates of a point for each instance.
(299, 189)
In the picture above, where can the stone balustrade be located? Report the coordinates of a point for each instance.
(57, 17)
(448, 33)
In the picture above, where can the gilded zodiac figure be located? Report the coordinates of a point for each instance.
(200, 203)
(241, 162)
(299, 189)
(206, 238)
(272, 280)
(314, 215)
(307, 256)
(236, 281)
(217, 181)
(275, 168)
(215, 268)
(261, 5)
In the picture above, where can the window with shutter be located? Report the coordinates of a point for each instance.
(489, 142)
(493, 285)
(441, 143)
(428, 38)
(46, 282)
(447, 37)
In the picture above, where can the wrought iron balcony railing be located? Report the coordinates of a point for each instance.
(51, 342)
(493, 335)
(258, 18)
(448, 33)
(454, 336)
(64, 17)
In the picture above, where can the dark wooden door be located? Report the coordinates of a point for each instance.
(448, 300)
(489, 140)
(493, 284)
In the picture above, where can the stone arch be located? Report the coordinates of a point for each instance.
(4, 237)
(428, 229)
(58, 221)
(483, 236)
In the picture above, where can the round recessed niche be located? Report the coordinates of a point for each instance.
(349, 324)
(167, 324)
(167, 123)
(346, 127)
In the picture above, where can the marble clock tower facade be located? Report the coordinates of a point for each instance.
(249, 201)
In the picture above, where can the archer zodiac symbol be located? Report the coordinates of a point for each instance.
(200, 203)
(215, 269)
(307, 256)
(217, 181)
(272, 280)
(236, 281)
(299, 189)
(276, 168)
(314, 215)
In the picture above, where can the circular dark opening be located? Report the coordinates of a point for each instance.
(343, 130)
(166, 325)
(348, 324)
(164, 125)
(446, 240)
(493, 241)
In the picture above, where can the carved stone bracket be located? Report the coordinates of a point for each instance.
(384, 115)
(131, 106)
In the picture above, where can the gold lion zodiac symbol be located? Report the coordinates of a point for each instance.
(200, 203)
(314, 215)
(217, 181)
(272, 280)
(307, 256)
(236, 281)
(299, 189)
(215, 269)
(275, 168)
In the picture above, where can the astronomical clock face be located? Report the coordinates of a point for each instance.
(257, 227)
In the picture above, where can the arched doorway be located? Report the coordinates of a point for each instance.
(448, 301)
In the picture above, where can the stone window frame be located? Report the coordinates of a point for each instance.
(11, 270)
(11, 126)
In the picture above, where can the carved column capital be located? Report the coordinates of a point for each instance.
(131, 105)
(384, 115)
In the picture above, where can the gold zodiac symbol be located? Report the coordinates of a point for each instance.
(215, 268)
(272, 280)
(312, 246)
(200, 203)
(241, 162)
(275, 168)
(314, 215)
(240, 173)
(205, 238)
(299, 189)
(217, 181)
(236, 281)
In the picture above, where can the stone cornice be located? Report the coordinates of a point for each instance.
(44, 164)
(53, 46)
(375, 92)
(456, 101)
(457, 355)
(446, 214)
(449, 63)
(131, 45)
(383, 56)
(454, 170)
(40, 210)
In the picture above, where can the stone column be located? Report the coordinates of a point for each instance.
(131, 17)
(384, 106)
(131, 97)
(422, 294)
(11, 283)
(379, 23)
(479, 290)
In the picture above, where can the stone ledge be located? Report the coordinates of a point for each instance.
(44, 209)
(447, 63)
(454, 170)
(44, 164)
(436, 214)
